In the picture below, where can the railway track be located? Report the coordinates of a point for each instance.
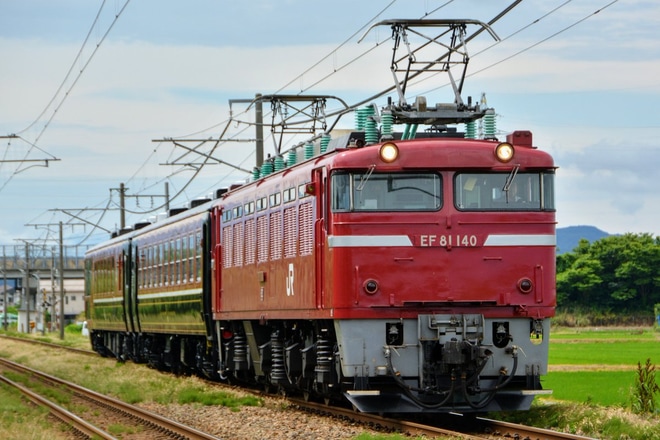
(450, 426)
(103, 411)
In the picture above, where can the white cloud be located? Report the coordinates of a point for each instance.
(589, 95)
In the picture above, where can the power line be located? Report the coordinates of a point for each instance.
(68, 91)
(551, 36)
(231, 120)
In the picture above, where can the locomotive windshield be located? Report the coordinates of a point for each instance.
(504, 191)
(370, 191)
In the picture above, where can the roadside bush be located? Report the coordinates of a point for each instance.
(590, 318)
(73, 329)
(645, 389)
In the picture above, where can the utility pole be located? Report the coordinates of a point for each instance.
(26, 284)
(61, 284)
(5, 323)
(123, 196)
(52, 291)
(60, 267)
(122, 206)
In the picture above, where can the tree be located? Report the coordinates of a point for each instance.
(613, 273)
(581, 281)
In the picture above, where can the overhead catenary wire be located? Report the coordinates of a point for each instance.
(531, 46)
(228, 122)
(388, 90)
(317, 83)
(549, 37)
(34, 143)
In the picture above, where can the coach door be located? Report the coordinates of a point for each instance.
(208, 274)
(130, 291)
(215, 252)
(319, 181)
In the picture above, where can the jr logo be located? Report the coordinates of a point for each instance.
(289, 281)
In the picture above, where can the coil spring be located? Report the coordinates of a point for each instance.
(240, 352)
(278, 372)
(323, 356)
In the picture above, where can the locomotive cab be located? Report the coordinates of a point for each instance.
(445, 271)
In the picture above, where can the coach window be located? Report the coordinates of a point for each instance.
(150, 266)
(341, 192)
(183, 259)
(548, 191)
(166, 263)
(176, 269)
(191, 257)
(161, 264)
(289, 195)
(511, 191)
(262, 204)
(303, 190)
(386, 192)
(275, 199)
(198, 254)
(171, 265)
(158, 270)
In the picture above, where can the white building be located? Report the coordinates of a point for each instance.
(47, 301)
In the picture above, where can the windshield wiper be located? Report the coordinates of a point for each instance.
(510, 177)
(365, 177)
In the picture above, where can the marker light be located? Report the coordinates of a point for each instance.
(525, 285)
(388, 152)
(504, 152)
(370, 286)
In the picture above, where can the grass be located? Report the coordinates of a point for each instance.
(216, 398)
(599, 352)
(129, 382)
(19, 419)
(605, 388)
(598, 365)
(592, 372)
(588, 420)
(606, 333)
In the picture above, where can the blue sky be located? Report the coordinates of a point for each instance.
(586, 84)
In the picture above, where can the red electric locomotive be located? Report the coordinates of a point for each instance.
(400, 272)
(407, 275)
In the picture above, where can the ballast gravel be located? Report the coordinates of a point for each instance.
(273, 421)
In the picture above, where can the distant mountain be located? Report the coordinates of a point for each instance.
(569, 237)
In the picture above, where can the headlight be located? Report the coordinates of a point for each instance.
(388, 152)
(504, 152)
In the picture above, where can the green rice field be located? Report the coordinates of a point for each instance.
(599, 366)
